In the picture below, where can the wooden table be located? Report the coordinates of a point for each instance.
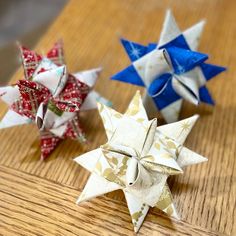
(38, 198)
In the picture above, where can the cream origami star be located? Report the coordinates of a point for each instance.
(138, 158)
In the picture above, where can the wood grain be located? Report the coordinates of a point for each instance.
(42, 207)
(205, 195)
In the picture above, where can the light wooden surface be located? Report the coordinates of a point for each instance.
(38, 198)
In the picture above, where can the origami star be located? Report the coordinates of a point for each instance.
(51, 97)
(138, 158)
(171, 70)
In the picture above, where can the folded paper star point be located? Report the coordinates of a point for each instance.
(51, 97)
(171, 71)
(138, 158)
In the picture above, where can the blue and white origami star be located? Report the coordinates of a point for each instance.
(171, 70)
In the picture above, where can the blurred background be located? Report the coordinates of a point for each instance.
(24, 21)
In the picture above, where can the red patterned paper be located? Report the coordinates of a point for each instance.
(48, 143)
(31, 59)
(74, 130)
(32, 94)
(56, 53)
(72, 96)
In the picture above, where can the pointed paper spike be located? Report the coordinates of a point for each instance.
(12, 118)
(129, 75)
(134, 50)
(110, 118)
(187, 157)
(9, 94)
(166, 204)
(179, 130)
(88, 77)
(48, 143)
(136, 109)
(171, 211)
(205, 96)
(30, 61)
(56, 53)
(137, 210)
(183, 60)
(210, 71)
(103, 186)
(193, 34)
(89, 159)
(170, 29)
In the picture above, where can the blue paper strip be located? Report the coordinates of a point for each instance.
(210, 71)
(158, 84)
(184, 60)
(167, 97)
(129, 75)
(179, 42)
(205, 96)
(151, 47)
(134, 50)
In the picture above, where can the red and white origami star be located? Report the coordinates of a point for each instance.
(50, 96)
